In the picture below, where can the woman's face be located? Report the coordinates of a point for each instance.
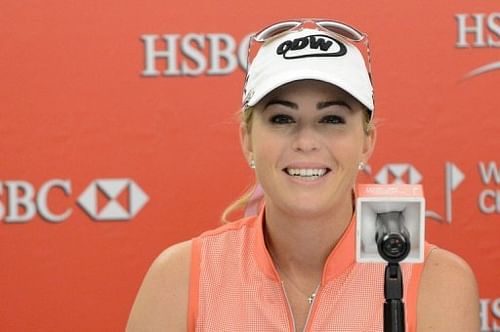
(307, 141)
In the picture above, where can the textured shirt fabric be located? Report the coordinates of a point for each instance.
(234, 286)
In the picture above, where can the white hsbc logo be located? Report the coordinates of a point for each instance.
(479, 30)
(113, 209)
(407, 173)
(102, 200)
(398, 174)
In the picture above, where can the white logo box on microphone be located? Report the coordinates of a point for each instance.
(379, 198)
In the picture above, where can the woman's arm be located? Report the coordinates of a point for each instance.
(162, 301)
(448, 296)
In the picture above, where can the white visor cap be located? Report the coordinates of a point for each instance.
(308, 54)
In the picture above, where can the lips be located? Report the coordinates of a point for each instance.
(307, 174)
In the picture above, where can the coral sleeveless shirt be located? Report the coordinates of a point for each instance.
(234, 286)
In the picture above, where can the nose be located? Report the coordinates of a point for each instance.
(306, 139)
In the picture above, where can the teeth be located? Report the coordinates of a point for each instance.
(307, 173)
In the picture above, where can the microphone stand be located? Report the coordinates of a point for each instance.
(394, 310)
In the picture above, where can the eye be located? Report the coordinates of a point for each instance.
(333, 119)
(281, 119)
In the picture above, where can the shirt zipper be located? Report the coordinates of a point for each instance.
(316, 293)
(290, 312)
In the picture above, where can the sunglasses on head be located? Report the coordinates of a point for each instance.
(335, 28)
(329, 26)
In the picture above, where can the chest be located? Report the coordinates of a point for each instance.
(234, 293)
(352, 302)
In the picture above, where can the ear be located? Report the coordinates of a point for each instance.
(246, 142)
(369, 144)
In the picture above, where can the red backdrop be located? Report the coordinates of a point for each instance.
(106, 161)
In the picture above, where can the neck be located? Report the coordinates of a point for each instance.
(300, 245)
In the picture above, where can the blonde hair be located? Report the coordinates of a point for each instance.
(246, 116)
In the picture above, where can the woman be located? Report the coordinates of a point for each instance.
(306, 130)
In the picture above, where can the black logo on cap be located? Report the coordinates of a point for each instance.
(311, 46)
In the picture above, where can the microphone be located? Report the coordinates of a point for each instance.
(392, 236)
(390, 223)
(387, 218)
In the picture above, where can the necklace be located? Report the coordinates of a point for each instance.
(310, 296)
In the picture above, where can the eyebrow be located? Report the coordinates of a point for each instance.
(282, 102)
(325, 104)
(319, 106)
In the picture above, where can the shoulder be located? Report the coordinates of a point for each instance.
(448, 295)
(162, 300)
(231, 227)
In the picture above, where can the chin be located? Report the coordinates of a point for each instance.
(308, 210)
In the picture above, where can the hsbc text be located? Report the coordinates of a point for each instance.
(489, 314)
(23, 202)
(485, 28)
(193, 54)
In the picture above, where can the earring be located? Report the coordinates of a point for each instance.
(361, 166)
(252, 164)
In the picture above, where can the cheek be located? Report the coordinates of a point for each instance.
(266, 148)
(270, 153)
(347, 149)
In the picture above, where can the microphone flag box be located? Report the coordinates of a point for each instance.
(407, 200)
